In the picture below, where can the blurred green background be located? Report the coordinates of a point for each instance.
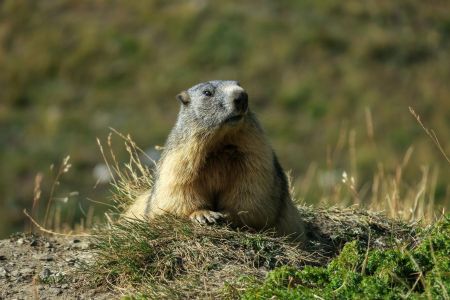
(314, 70)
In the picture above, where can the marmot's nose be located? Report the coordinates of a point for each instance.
(241, 102)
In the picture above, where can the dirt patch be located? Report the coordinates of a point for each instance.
(36, 267)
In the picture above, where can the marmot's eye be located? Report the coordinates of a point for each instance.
(207, 93)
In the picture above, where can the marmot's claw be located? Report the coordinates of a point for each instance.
(206, 216)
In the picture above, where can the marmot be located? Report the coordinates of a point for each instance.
(217, 163)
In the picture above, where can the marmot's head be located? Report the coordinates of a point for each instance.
(214, 103)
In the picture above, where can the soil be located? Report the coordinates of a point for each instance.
(37, 267)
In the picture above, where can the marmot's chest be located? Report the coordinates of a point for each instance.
(222, 167)
(226, 178)
(228, 154)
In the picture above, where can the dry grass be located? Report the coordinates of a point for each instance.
(176, 258)
(130, 179)
(410, 199)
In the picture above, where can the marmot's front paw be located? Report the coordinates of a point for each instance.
(206, 216)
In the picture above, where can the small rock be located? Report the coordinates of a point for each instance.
(3, 272)
(48, 245)
(26, 271)
(71, 261)
(15, 273)
(81, 245)
(65, 286)
(85, 256)
(20, 241)
(57, 291)
(85, 246)
(46, 258)
(45, 273)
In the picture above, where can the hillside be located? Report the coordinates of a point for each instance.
(330, 80)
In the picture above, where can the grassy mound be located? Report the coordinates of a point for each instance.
(173, 258)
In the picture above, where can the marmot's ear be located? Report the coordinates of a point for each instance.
(183, 97)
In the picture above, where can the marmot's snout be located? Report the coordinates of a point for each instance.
(236, 103)
(240, 102)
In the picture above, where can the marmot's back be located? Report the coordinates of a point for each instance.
(217, 163)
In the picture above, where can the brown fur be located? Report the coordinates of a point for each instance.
(236, 168)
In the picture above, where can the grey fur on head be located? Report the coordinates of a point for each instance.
(213, 104)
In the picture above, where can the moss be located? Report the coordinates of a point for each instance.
(421, 271)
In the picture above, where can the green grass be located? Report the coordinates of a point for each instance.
(421, 271)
